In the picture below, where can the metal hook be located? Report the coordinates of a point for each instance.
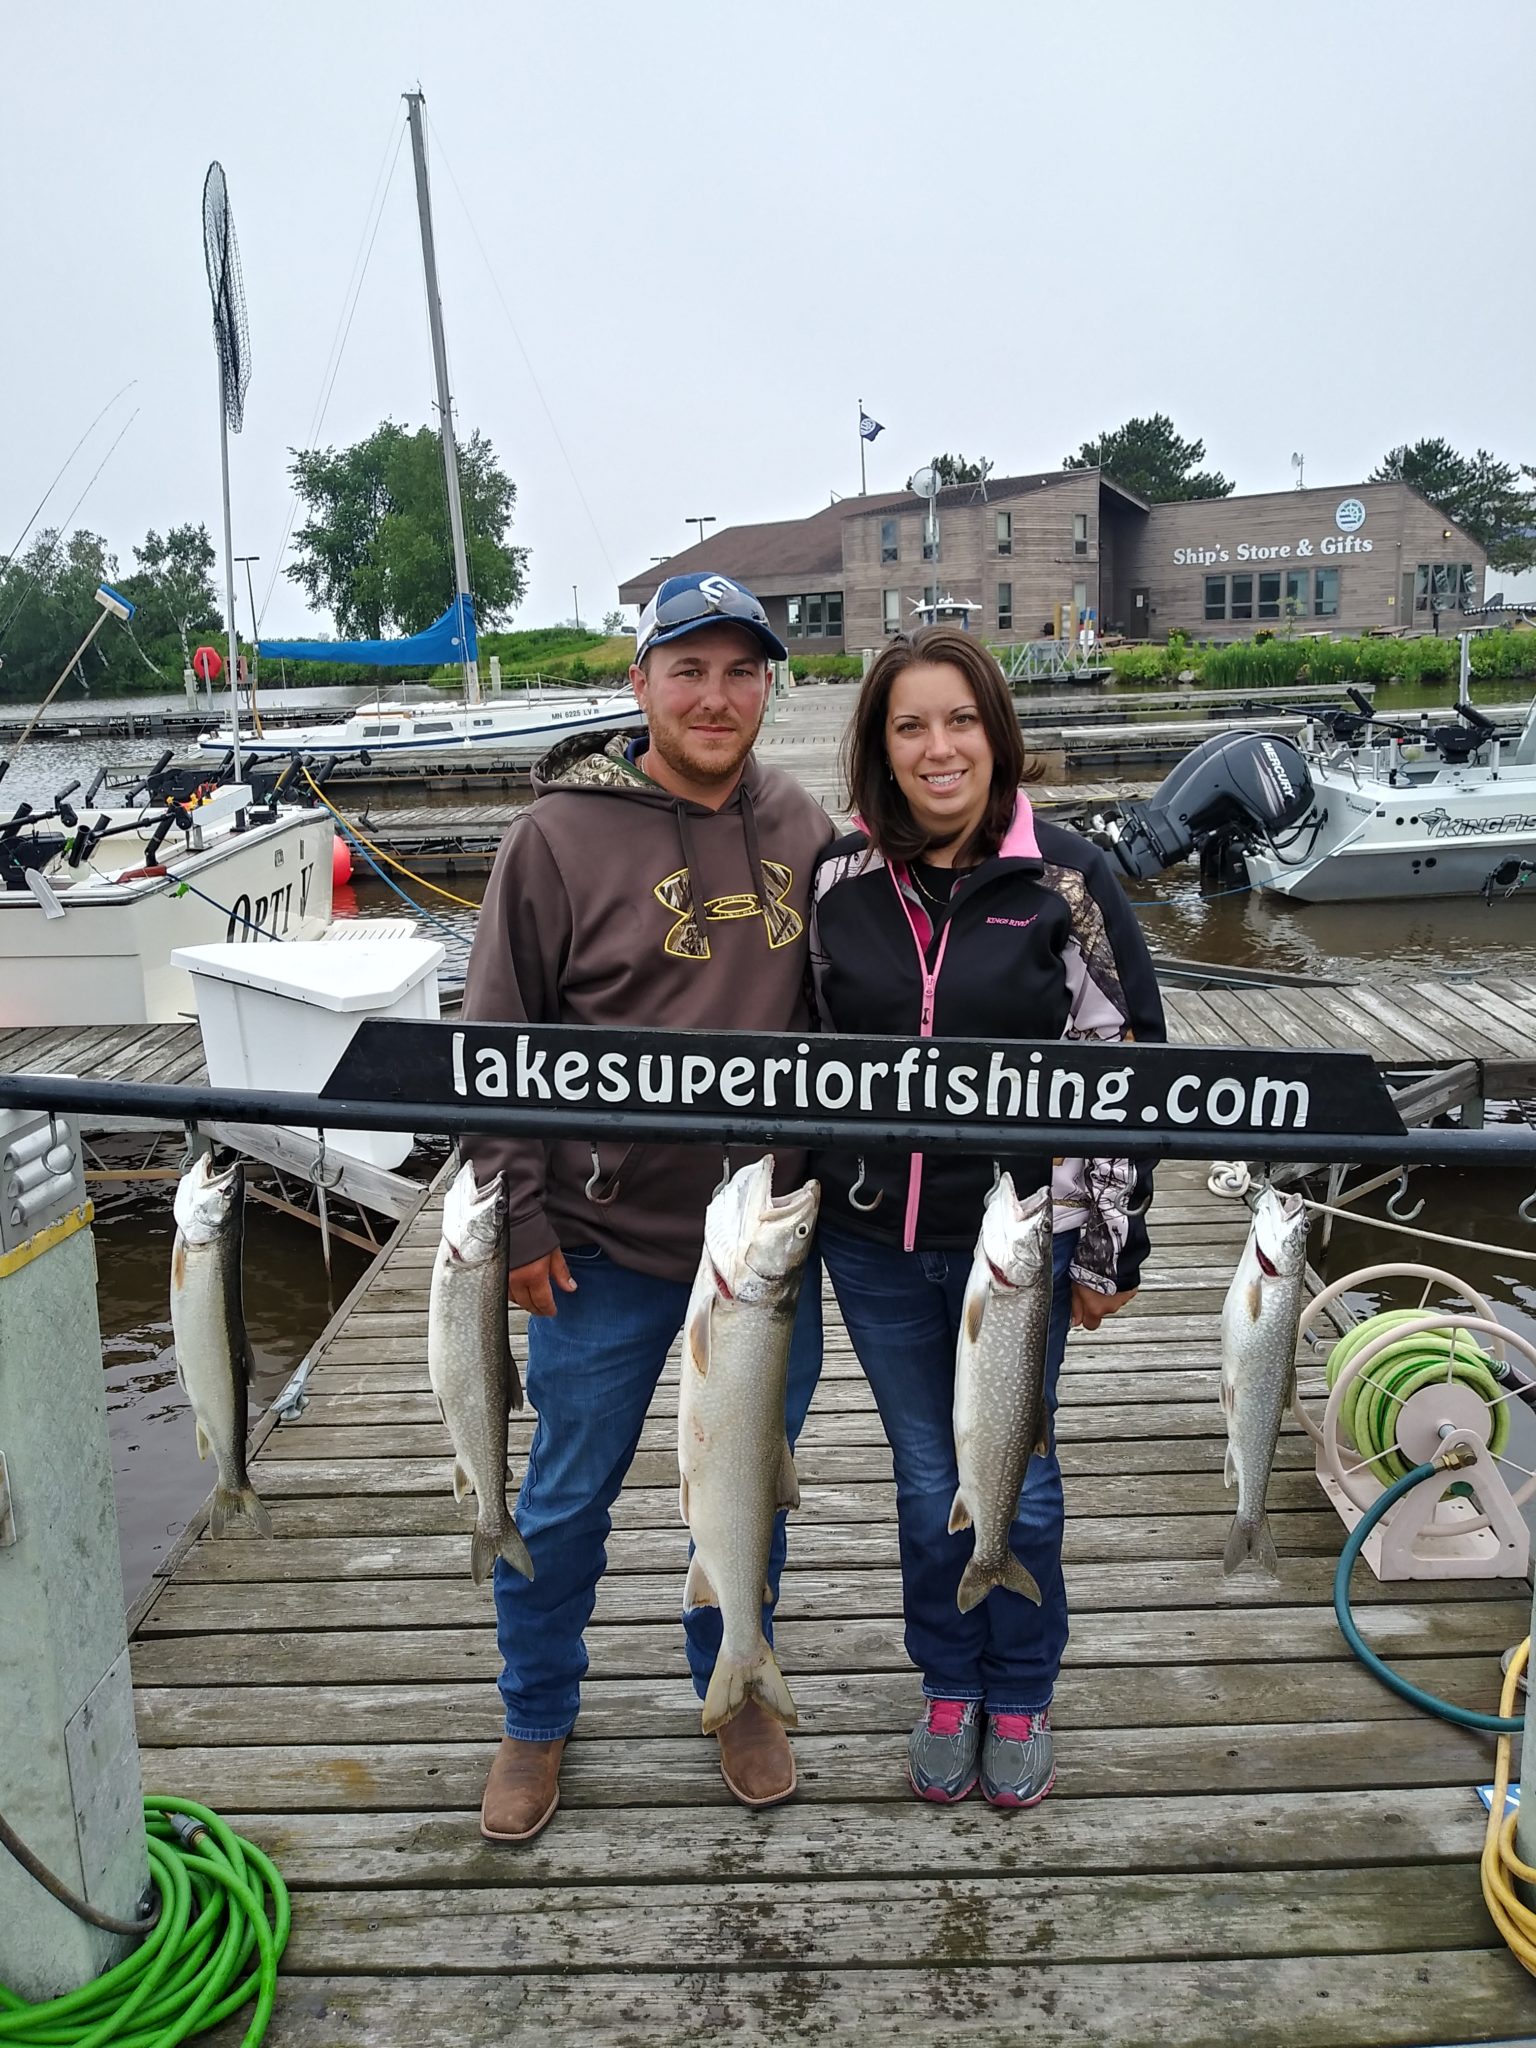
(1395, 1199)
(997, 1178)
(590, 1190)
(1527, 1209)
(864, 1208)
(317, 1173)
(725, 1175)
(196, 1145)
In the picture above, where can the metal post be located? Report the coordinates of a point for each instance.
(229, 575)
(69, 1764)
(415, 101)
(863, 487)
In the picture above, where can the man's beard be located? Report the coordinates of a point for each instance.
(671, 742)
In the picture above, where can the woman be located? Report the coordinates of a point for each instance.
(951, 912)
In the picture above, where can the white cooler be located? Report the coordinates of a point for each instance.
(280, 1017)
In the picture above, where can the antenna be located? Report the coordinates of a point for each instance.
(925, 482)
(232, 339)
(1299, 464)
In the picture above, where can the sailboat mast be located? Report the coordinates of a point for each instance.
(416, 101)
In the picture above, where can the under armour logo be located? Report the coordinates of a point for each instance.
(687, 941)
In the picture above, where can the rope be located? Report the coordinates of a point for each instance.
(1468, 1244)
(1501, 1867)
(364, 841)
(223, 1926)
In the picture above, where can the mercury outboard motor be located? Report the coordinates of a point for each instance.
(1236, 788)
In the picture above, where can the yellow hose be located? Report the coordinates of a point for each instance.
(1502, 1868)
(378, 852)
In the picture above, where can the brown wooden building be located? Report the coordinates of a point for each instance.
(1037, 556)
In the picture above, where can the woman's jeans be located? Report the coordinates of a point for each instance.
(592, 1369)
(902, 1311)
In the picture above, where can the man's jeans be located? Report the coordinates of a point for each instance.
(592, 1369)
(902, 1310)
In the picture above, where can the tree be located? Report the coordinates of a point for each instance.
(173, 587)
(615, 623)
(1149, 458)
(1483, 495)
(47, 607)
(376, 550)
(954, 469)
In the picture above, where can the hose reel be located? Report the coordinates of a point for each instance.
(1406, 1385)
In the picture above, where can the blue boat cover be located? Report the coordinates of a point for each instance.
(443, 641)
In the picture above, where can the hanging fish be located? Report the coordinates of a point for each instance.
(1259, 1322)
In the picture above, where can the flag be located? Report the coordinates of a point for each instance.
(868, 427)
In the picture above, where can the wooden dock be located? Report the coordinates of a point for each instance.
(1251, 1841)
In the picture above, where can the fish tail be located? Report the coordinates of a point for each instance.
(486, 1545)
(735, 1680)
(1250, 1542)
(977, 1581)
(238, 1511)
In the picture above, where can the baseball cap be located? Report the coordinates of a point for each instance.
(685, 603)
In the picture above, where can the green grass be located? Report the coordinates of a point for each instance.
(1286, 663)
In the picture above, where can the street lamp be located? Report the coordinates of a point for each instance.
(576, 608)
(693, 519)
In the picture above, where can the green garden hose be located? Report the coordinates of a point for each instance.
(1374, 1397)
(1463, 1717)
(222, 1930)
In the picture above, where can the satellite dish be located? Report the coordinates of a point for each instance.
(924, 481)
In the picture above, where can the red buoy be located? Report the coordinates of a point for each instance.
(341, 862)
(207, 664)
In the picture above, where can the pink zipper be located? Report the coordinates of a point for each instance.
(925, 1030)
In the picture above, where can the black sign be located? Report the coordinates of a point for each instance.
(858, 1083)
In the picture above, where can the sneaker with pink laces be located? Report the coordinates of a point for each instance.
(942, 1751)
(1018, 1764)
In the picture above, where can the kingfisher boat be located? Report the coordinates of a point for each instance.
(1402, 810)
(91, 910)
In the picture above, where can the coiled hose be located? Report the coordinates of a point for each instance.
(222, 1929)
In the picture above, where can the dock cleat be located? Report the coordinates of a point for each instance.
(1018, 1763)
(942, 1751)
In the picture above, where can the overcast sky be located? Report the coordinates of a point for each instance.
(1004, 225)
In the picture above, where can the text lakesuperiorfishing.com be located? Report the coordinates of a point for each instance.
(955, 1080)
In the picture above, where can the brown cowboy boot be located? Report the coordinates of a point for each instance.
(756, 1761)
(522, 1791)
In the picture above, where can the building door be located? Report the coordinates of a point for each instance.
(1139, 625)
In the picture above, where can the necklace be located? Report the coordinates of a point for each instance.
(938, 902)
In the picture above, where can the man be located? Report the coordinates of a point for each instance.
(660, 882)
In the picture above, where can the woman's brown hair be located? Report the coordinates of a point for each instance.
(874, 794)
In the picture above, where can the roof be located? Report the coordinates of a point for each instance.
(776, 548)
(789, 551)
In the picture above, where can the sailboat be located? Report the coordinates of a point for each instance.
(532, 723)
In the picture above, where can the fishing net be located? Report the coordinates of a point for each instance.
(232, 334)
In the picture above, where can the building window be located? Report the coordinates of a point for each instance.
(1079, 533)
(1215, 597)
(890, 610)
(930, 596)
(834, 604)
(931, 538)
(794, 618)
(1325, 604)
(1005, 607)
(1079, 602)
(889, 551)
(1269, 594)
(813, 618)
(1297, 593)
(818, 615)
(1242, 597)
(1442, 587)
(1005, 533)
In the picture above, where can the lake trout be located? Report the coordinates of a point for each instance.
(213, 1352)
(999, 1418)
(1259, 1322)
(469, 1362)
(737, 1471)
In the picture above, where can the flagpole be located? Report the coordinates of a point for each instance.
(863, 490)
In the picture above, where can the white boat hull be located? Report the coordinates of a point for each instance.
(418, 732)
(1442, 837)
(107, 959)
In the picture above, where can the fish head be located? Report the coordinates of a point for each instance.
(474, 1218)
(1278, 1235)
(1015, 1235)
(756, 1241)
(206, 1201)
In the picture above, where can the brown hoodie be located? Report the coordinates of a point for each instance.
(590, 918)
